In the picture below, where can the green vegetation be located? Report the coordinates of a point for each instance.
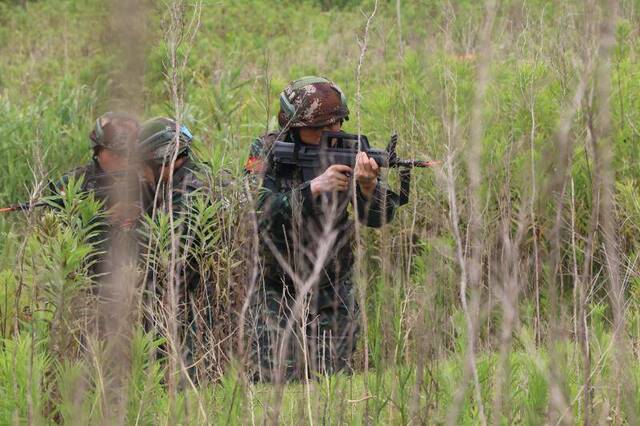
(527, 213)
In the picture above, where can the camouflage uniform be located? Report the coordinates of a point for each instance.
(185, 185)
(157, 139)
(150, 145)
(118, 132)
(292, 223)
(94, 180)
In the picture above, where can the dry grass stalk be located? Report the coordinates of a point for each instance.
(471, 263)
(180, 34)
(605, 182)
(359, 272)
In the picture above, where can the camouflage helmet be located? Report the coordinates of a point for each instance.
(157, 136)
(117, 131)
(312, 102)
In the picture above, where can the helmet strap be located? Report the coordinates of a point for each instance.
(94, 157)
(157, 172)
(297, 141)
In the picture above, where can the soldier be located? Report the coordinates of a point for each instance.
(173, 187)
(113, 140)
(131, 171)
(130, 163)
(156, 146)
(303, 225)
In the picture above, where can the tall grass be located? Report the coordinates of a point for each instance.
(506, 291)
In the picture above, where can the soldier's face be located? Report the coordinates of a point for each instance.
(313, 135)
(151, 174)
(111, 161)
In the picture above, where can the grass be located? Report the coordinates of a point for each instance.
(386, 398)
(545, 350)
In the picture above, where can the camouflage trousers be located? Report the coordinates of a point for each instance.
(320, 339)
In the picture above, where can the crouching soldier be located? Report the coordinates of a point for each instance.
(113, 142)
(142, 173)
(306, 242)
(170, 174)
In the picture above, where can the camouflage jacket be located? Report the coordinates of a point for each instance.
(95, 180)
(294, 223)
(184, 185)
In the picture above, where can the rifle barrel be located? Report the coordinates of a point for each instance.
(415, 163)
(20, 206)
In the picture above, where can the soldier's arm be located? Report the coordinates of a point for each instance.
(379, 209)
(57, 189)
(273, 203)
(276, 205)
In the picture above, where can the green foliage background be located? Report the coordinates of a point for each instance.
(57, 73)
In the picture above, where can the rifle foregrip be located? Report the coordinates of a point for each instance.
(405, 186)
(381, 157)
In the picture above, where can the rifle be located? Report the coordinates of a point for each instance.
(22, 207)
(342, 148)
(101, 193)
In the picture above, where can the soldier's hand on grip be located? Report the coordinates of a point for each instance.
(367, 172)
(335, 178)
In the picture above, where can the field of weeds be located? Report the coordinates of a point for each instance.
(505, 292)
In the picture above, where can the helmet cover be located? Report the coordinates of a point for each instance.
(312, 102)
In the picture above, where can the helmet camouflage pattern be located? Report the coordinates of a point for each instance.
(312, 102)
(157, 137)
(117, 131)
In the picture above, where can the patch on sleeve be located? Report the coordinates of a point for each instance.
(254, 164)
